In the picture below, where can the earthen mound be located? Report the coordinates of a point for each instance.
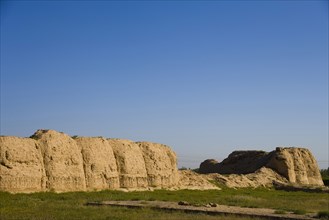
(189, 179)
(243, 162)
(209, 166)
(297, 165)
(130, 162)
(238, 162)
(62, 160)
(21, 165)
(263, 177)
(161, 164)
(99, 163)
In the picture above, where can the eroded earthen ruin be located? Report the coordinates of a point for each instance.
(53, 161)
(297, 165)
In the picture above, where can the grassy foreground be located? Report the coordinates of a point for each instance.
(72, 205)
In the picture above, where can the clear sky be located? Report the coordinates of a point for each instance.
(204, 77)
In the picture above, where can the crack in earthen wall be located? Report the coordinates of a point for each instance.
(44, 179)
(83, 165)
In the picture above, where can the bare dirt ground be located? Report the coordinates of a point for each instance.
(218, 209)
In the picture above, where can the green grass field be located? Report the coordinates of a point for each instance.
(72, 205)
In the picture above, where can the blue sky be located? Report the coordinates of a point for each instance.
(205, 77)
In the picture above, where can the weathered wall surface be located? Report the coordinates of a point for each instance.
(99, 163)
(21, 165)
(130, 162)
(62, 160)
(51, 160)
(161, 164)
(297, 165)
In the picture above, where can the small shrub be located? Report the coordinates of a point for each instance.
(325, 176)
(323, 215)
(325, 173)
(326, 182)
